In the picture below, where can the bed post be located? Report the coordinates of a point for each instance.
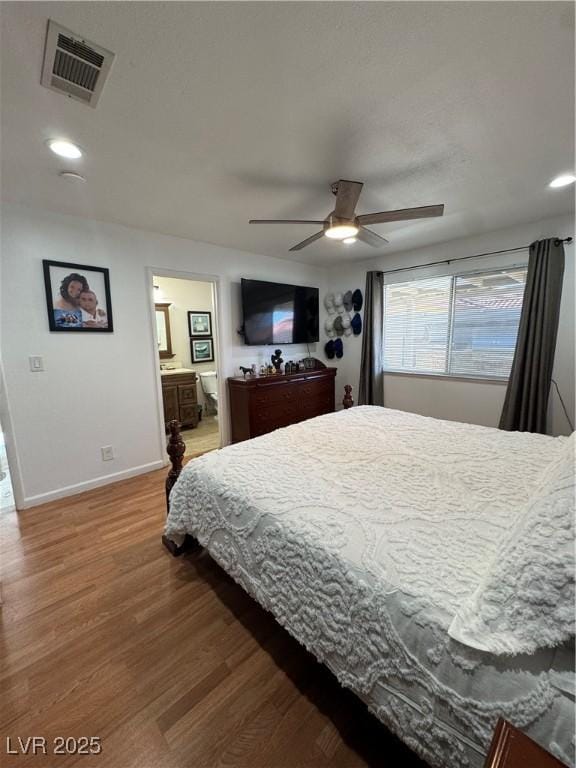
(348, 402)
(176, 449)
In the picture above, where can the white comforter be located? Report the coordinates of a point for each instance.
(362, 532)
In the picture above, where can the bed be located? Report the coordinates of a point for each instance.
(363, 532)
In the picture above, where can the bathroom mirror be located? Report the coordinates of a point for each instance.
(163, 331)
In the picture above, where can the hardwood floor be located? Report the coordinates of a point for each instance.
(167, 660)
(205, 437)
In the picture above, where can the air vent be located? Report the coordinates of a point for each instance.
(74, 66)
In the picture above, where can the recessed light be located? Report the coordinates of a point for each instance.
(64, 148)
(71, 176)
(562, 181)
(350, 240)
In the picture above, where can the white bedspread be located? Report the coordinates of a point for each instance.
(362, 531)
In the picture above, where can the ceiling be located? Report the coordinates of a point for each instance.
(218, 112)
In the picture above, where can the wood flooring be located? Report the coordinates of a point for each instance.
(205, 437)
(166, 660)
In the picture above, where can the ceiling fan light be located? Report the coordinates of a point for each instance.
(341, 231)
(350, 240)
(64, 148)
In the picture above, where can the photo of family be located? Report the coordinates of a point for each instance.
(77, 297)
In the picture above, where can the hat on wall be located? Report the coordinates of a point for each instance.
(347, 300)
(338, 300)
(347, 324)
(357, 300)
(329, 303)
(338, 327)
(357, 324)
(329, 349)
(338, 348)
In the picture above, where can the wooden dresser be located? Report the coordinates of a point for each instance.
(180, 398)
(261, 404)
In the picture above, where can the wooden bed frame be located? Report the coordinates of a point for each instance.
(176, 449)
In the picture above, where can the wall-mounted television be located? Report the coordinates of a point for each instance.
(276, 313)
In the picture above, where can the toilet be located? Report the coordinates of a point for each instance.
(209, 384)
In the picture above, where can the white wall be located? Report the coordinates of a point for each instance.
(101, 389)
(460, 400)
(186, 296)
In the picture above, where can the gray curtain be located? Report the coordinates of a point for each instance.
(371, 389)
(526, 402)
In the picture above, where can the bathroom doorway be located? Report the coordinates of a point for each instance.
(186, 336)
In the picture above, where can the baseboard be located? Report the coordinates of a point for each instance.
(72, 490)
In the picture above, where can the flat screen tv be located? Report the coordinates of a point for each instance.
(276, 313)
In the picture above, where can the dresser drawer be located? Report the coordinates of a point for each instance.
(284, 392)
(267, 419)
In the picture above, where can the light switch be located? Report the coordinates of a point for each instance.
(36, 363)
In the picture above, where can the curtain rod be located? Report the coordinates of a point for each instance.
(557, 241)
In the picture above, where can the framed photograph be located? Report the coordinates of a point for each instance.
(199, 323)
(202, 350)
(77, 297)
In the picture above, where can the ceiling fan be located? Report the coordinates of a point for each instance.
(343, 224)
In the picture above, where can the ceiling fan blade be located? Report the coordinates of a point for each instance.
(308, 241)
(425, 212)
(285, 221)
(371, 238)
(346, 198)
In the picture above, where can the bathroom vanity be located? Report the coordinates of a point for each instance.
(180, 397)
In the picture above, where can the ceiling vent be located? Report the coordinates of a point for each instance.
(74, 66)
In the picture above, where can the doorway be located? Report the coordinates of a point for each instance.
(187, 353)
(7, 503)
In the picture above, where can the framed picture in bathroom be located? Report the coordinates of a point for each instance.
(202, 350)
(199, 323)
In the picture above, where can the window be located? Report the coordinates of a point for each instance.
(454, 325)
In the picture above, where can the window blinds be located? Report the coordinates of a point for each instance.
(459, 325)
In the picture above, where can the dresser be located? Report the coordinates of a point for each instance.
(261, 404)
(180, 398)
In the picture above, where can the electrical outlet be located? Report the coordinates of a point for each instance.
(36, 363)
(107, 453)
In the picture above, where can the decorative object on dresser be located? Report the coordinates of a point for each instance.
(276, 359)
(261, 404)
(511, 748)
(180, 398)
(312, 364)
